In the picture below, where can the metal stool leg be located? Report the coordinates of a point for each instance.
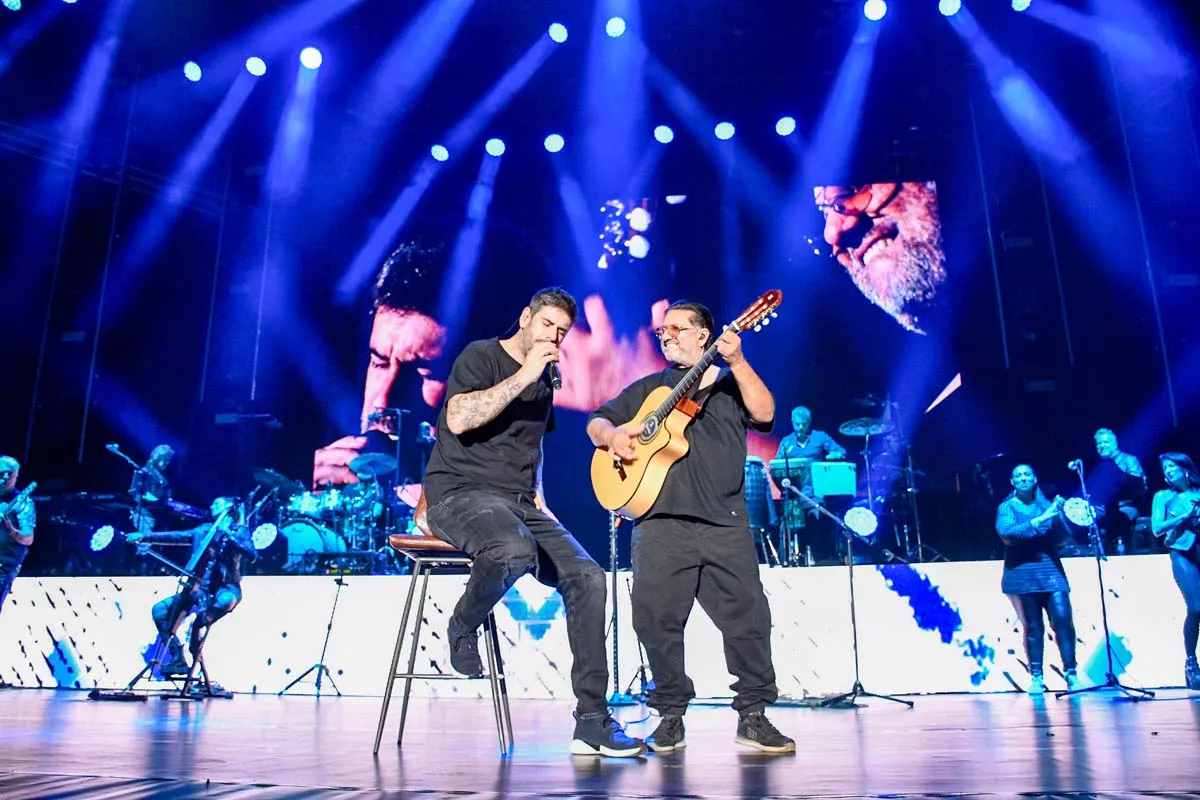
(423, 568)
(391, 679)
(499, 685)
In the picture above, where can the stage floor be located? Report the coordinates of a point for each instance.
(58, 744)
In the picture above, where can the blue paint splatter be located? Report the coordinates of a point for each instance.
(63, 663)
(983, 654)
(931, 611)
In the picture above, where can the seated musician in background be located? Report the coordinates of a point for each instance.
(1033, 530)
(1119, 484)
(694, 543)
(216, 562)
(1176, 517)
(809, 445)
(150, 487)
(18, 518)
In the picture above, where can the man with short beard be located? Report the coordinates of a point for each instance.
(888, 237)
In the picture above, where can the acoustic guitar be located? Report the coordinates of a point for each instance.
(629, 488)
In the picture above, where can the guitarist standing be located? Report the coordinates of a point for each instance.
(1176, 517)
(694, 543)
(18, 518)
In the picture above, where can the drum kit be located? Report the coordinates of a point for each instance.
(337, 523)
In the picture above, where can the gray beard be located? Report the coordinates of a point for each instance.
(909, 288)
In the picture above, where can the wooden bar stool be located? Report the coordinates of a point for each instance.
(427, 554)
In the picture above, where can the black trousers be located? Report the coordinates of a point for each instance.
(677, 562)
(1056, 606)
(507, 537)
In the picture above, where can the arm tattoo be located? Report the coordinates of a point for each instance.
(475, 409)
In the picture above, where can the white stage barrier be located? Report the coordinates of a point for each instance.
(922, 629)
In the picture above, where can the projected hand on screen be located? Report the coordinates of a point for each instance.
(888, 237)
(596, 365)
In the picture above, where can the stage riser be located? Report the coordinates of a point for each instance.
(924, 629)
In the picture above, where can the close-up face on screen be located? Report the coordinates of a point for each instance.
(888, 238)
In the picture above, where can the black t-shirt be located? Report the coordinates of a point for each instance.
(504, 454)
(708, 483)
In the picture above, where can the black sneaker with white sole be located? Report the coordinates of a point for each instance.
(755, 730)
(464, 649)
(668, 735)
(601, 735)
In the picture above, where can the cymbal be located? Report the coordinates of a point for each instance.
(184, 510)
(275, 480)
(373, 465)
(865, 426)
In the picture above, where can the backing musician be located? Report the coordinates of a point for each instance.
(18, 519)
(1119, 484)
(1176, 517)
(149, 487)
(807, 445)
(216, 588)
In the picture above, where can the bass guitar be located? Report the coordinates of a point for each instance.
(18, 500)
(629, 488)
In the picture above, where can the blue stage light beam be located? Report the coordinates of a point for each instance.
(466, 130)
(614, 27)
(31, 25)
(192, 71)
(256, 66)
(1125, 31)
(554, 143)
(439, 153)
(724, 131)
(460, 275)
(494, 147)
(79, 116)
(579, 218)
(875, 10)
(152, 230)
(288, 167)
(949, 8)
(754, 183)
(611, 121)
(558, 32)
(786, 126)
(664, 134)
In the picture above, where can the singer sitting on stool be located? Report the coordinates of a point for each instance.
(1032, 532)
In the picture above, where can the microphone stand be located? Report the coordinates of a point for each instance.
(857, 690)
(617, 698)
(1130, 693)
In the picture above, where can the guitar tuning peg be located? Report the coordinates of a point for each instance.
(757, 328)
(766, 321)
(774, 315)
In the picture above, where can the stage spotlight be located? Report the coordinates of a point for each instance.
(558, 32)
(554, 143)
(664, 134)
(102, 538)
(639, 220)
(862, 521)
(264, 535)
(614, 27)
(256, 66)
(191, 71)
(874, 10)
(311, 58)
(786, 126)
(494, 147)
(724, 130)
(1021, 5)
(439, 153)
(639, 246)
(12, 5)
(949, 7)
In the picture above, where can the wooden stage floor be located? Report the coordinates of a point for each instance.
(59, 745)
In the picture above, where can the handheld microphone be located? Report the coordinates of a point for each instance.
(555, 378)
(112, 448)
(1075, 465)
(786, 483)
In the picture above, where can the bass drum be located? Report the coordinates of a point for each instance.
(306, 539)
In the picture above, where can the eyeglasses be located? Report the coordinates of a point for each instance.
(673, 330)
(856, 201)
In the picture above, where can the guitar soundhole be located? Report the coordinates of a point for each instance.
(649, 428)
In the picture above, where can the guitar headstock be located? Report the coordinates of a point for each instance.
(760, 312)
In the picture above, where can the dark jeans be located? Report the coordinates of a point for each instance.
(1057, 606)
(508, 537)
(225, 600)
(675, 563)
(8, 574)
(1186, 569)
